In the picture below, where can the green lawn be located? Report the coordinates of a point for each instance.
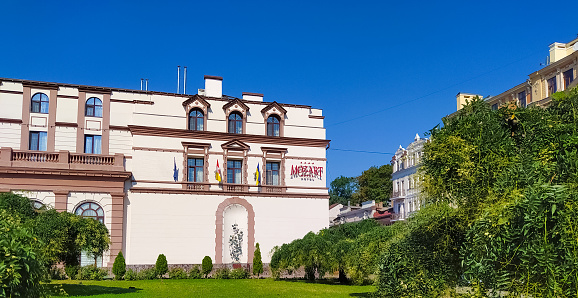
(205, 288)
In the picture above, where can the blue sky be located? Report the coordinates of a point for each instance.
(406, 59)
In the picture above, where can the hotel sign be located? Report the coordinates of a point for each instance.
(306, 171)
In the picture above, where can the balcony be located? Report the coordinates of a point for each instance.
(61, 160)
(198, 186)
(273, 189)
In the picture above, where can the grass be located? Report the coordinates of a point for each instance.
(205, 288)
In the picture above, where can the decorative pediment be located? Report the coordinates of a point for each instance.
(273, 108)
(196, 101)
(236, 104)
(235, 145)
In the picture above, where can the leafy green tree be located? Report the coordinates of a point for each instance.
(21, 269)
(207, 266)
(17, 204)
(374, 184)
(92, 237)
(257, 262)
(341, 190)
(119, 266)
(161, 265)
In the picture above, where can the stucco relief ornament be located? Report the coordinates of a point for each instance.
(236, 244)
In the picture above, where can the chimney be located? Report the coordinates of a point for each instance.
(252, 96)
(214, 86)
(557, 52)
(463, 98)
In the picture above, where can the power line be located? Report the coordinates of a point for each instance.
(434, 92)
(362, 151)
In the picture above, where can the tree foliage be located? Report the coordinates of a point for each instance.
(374, 184)
(161, 266)
(341, 190)
(257, 262)
(207, 266)
(119, 266)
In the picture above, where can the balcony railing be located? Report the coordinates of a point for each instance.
(197, 186)
(235, 187)
(60, 160)
(273, 189)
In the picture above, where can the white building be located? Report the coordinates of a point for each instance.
(405, 196)
(167, 173)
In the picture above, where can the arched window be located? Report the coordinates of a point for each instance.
(235, 123)
(36, 204)
(273, 126)
(196, 120)
(93, 107)
(39, 103)
(90, 210)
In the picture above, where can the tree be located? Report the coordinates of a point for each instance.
(161, 265)
(257, 262)
(341, 190)
(119, 266)
(17, 204)
(92, 237)
(374, 184)
(207, 266)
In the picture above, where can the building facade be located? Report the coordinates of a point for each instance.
(559, 74)
(405, 198)
(167, 173)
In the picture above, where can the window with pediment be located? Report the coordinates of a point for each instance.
(196, 119)
(273, 125)
(235, 123)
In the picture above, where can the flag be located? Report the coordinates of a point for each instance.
(175, 171)
(218, 172)
(257, 175)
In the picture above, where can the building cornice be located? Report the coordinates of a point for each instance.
(220, 136)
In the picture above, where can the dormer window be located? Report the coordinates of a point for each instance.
(235, 123)
(39, 103)
(196, 120)
(93, 107)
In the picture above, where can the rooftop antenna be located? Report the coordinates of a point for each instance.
(141, 79)
(185, 80)
(147, 84)
(178, 79)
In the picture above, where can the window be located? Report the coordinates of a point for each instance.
(90, 210)
(196, 120)
(551, 86)
(94, 211)
(36, 205)
(93, 107)
(234, 171)
(273, 126)
(37, 140)
(39, 103)
(522, 98)
(568, 77)
(92, 144)
(272, 173)
(235, 123)
(494, 107)
(195, 173)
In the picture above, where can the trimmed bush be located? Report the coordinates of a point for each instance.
(161, 265)
(207, 266)
(72, 271)
(257, 262)
(239, 273)
(119, 266)
(130, 275)
(222, 273)
(147, 274)
(195, 273)
(177, 273)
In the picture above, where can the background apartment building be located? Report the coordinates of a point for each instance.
(167, 173)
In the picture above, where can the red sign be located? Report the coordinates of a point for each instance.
(306, 171)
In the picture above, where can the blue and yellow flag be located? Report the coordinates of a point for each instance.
(258, 175)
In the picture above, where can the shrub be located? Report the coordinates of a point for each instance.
(239, 273)
(257, 262)
(56, 273)
(207, 266)
(177, 273)
(20, 269)
(222, 273)
(130, 275)
(119, 266)
(161, 265)
(195, 273)
(72, 271)
(92, 272)
(150, 273)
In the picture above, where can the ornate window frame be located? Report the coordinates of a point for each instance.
(236, 105)
(197, 102)
(271, 154)
(276, 109)
(196, 150)
(236, 149)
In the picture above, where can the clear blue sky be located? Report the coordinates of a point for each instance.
(349, 58)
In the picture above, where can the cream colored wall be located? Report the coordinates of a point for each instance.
(10, 135)
(65, 138)
(66, 109)
(120, 141)
(11, 103)
(45, 197)
(182, 226)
